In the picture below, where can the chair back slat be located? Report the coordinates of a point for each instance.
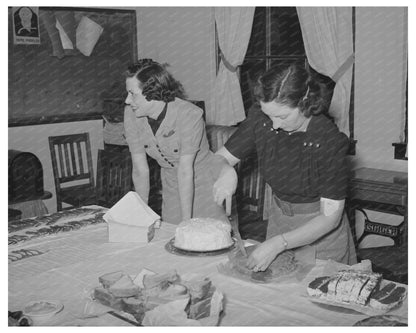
(80, 159)
(73, 162)
(89, 158)
(66, 157)
(61, 161)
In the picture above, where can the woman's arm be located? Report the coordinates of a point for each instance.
(186, 184)
(140, 175)
(328, 219)
(226, 183)
(229, 158)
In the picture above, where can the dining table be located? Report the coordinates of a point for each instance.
(65, 266)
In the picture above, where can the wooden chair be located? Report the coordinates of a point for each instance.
(113, 176)
(72, 170)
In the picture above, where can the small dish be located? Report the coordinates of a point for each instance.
(43, 310)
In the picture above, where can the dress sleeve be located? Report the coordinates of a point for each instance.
(242, 143)
(336, 177)
(132, 132)
(191, 130)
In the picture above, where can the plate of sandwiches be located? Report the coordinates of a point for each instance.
(361, 291)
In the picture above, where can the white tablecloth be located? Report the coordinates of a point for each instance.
(73, 261)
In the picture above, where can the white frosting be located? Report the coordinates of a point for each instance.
(203, 234)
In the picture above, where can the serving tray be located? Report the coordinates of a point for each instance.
(171, 248)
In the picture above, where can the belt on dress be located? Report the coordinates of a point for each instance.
(290, 209)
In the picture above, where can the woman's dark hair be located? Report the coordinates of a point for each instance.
(296, 86)
(156, 82)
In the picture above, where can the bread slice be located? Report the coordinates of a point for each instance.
(319, 286)
(173, 291)
(359, 282)
(345, 286)
(388, 298)
(383, 292)
(107, 280)
(198, 289)
(200, 309)
(103, 296)
(372, 283)
(332, 286)
(133, 305)
(160, 280)
(124, 287)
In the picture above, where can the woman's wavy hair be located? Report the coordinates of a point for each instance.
(296, 86)
(156, 83)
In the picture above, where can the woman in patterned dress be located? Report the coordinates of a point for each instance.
(159, 122)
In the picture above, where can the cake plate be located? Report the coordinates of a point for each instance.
(171, 248)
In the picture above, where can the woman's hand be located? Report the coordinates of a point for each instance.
(265, 253)
(225, 187)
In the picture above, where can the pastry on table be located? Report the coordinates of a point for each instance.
(359, 288)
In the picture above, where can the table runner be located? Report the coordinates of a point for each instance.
(24, 230)
(74, 261)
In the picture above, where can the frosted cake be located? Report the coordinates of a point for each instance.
(203, 234)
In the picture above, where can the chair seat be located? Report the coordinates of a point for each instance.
(79, 195)
(391, 261)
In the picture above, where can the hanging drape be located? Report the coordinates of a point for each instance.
(234, 29)
(328, 39)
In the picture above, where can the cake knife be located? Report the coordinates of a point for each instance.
(240, 243)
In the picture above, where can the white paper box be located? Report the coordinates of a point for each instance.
(131, 220)
(125, 233)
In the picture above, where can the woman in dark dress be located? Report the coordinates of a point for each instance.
(302, 156)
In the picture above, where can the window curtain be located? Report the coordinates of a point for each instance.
(328, 40)
(234, 29)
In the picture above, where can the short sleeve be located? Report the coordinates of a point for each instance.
(242, 142)
(191, 128)
(335, 182)
(132, 132)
